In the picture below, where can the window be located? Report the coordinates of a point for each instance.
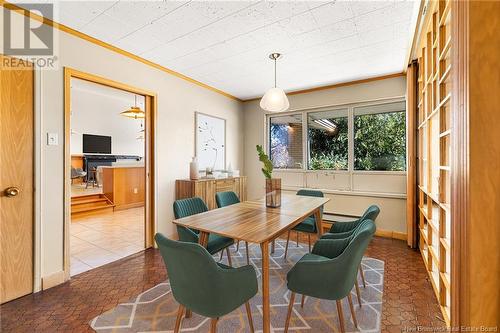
(380, 137)
(327, 133)
(286, 148)
(350, 138)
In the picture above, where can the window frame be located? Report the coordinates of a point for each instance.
(350, 115)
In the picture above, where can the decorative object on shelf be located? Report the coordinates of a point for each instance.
(274, 100)
(193, 169)
(210, 142)
(273, 185)
(209, 172)
(134, 112)
(229, 170)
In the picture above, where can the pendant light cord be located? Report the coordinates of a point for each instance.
(274, 72)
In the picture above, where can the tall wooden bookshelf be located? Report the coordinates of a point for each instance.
(434, 147)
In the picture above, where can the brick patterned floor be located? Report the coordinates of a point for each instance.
(408, 296)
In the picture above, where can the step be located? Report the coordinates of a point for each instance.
(91, 204)
(84, 201)
(78, 210)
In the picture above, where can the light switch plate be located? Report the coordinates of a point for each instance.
(52, 139)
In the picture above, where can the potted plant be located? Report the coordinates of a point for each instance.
(273, 185)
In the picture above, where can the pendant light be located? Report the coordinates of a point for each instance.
(134, 111)
(274, 100)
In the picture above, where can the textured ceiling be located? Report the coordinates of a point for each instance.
(226, 44)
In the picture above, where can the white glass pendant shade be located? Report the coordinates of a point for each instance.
(274, 100)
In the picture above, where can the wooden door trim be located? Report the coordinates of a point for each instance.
(460, 213)
(411, 159)
(150, 148)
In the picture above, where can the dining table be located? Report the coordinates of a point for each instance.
(252, 221)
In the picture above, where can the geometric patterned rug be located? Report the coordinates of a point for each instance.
(155, 309)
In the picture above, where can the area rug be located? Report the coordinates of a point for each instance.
(155, 309)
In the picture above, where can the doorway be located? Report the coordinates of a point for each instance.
(16, 178)
(109, 161)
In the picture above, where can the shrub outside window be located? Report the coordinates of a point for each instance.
(380, 137)
(286, 148)
(328, 136)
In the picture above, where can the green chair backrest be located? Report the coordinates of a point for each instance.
(224, 199)
(371, 213)
(348, 262)
(333, 278)
(198, 283)
(192, 273)
(312, 193)
(188, 207)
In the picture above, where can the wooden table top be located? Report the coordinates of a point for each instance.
(252, 221)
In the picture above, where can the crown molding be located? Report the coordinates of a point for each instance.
(336, 85)
(76, 33)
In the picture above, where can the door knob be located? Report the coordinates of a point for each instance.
(11, 191)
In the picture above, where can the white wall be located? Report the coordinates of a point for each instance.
(177, 102)
(350, 193)
(93, 109)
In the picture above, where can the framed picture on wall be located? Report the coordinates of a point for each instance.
(210, 141)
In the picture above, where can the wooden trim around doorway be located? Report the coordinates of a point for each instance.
(150, 124)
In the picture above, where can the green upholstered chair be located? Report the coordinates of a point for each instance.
(192, 206)
(329, 272)
(341, 230)
(203, 286)
(229, 198)
(308, 225)
(344, 229)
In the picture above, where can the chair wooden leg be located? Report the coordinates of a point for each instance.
(229, 257)
(248, 254)
(249, 315)
(297, 233)
(362, 275)
(289, 313)
(287, 240)
(189, 314)
(357, 292)
(221, 254)
(341, 316)
(237, 245)
(302, 301)
(309, 239)
(273, 246)
(213, 325)
(178, 320)
(353, 314)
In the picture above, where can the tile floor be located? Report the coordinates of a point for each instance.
(100, 239)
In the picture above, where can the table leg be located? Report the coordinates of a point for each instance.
(203, 241)
(266, 308)
(317, 217)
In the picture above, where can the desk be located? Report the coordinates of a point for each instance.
(124, 185)
(253, 222)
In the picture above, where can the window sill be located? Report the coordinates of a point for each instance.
(352, 193)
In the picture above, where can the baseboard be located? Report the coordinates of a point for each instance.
(390, 234)
(52, 280)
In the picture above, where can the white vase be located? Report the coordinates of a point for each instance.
(193, 169)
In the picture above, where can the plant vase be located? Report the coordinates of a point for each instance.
(273, 192)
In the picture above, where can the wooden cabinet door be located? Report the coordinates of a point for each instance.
(16, 179)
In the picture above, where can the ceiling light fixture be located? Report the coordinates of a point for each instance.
(274, 100)
(134, 111)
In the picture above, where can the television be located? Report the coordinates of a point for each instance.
(96, 144)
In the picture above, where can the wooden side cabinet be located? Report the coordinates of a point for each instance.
(206, 188)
